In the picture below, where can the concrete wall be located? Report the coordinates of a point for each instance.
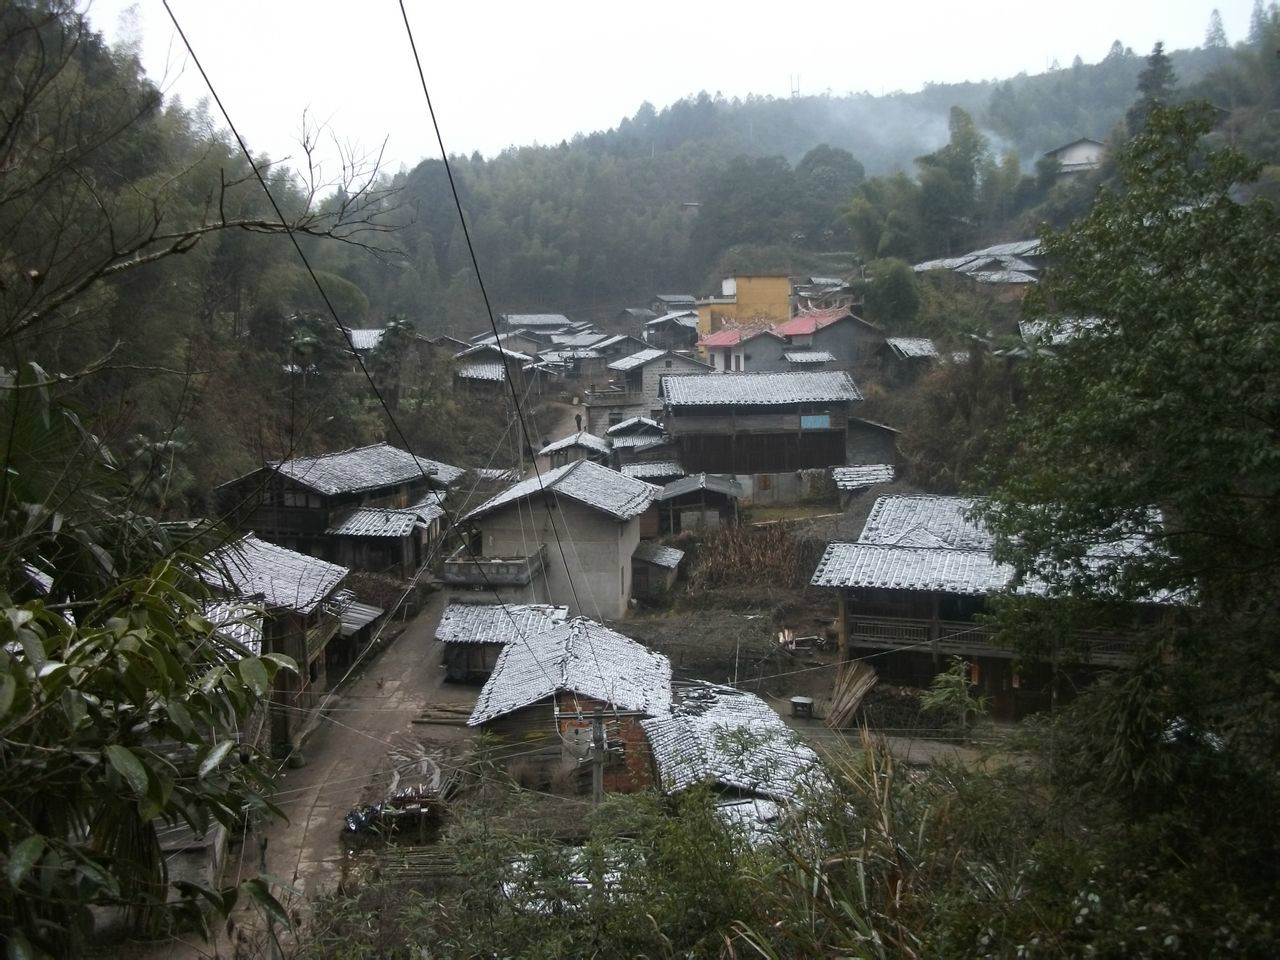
(653, 372)
(598, 419)
(852, 344)
(597, 547)
(761, 489)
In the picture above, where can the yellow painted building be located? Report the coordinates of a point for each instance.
(755, 301)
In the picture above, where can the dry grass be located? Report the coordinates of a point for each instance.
(753, 556)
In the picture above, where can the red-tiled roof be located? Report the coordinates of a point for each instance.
(728, 337)
(805, 324)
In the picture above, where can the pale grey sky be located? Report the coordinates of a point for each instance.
(504, 73)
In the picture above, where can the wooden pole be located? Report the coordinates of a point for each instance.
(597, 755)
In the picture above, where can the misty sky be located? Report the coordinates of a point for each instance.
(516, 73)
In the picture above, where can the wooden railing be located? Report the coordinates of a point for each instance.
(975, 639)
(460, 568)
(321, 634)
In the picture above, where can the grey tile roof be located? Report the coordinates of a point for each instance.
(581, 439)
(389, 521)
(759, 389)
(636, 359)
(676, 298)
(364, 468)
(585, 481)
(251, 568)
(655, 553)
(493, 352)
(674, 315)
(481, 371)
(634, 424)
(730, 738)
(924, 522)
(863, 475)
(891, 567)
(497, 623)
(715, 482)
(536, 319)
(809, 356)
(580, 340)
(1003, 276)
(365, 339)
(579, 656)
(236, 620)
(637, 441)
(909, 348)
(653, 468)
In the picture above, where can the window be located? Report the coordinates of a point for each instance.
(713, 361)
(667, 363)
(295, 498)
(737, 362)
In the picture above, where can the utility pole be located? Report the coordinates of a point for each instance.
(597, 755)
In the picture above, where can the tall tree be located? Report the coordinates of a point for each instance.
(1215, 37)
(1156, 86)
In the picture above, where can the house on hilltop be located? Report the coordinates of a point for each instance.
(514, 548)
(1079, 156)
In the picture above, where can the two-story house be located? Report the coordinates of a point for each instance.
(375, 507)
(634, 389)
(565, 538)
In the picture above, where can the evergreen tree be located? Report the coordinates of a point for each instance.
(1215, 37)
(1156, 86)
(1257, 24)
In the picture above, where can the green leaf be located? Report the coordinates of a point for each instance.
(8, 687)
(215, 757)
(254, 675)
(128, 766)
(24, 857)
(282, 661)
(261, 895)
(19, 947)
(179, 715)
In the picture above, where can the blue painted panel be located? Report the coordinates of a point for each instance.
(816, 421)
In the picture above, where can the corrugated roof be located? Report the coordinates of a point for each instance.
(355, 616)
(760, 389)
(585, 481)
(655, 553)
(653, 468)
(730, 738)
(715, 482)
(497, 623)
(580, 439)
(251, 568)
(637, 359)
(365, 339)
(364, 468)
(912, 348)
(862, 475)
(582, 657)
(481, 371)
(809, 356)
(634, 425)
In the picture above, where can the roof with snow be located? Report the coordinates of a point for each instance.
(649, 552)
(363, 468)
(251, 568)
(533, 320)
(583, 439)
(584, 481)
(862, 475)
(365, 339)
(676, 316)
(581, 657)
(635, 425)
(637, 359)
(490, 372)
(653, 469)
(759, 389)
(388, 521)
(715, 482)
(811, 321)
(912, 348)
(497, 622)
(809, 356)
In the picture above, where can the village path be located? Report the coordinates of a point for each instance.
(345, 755)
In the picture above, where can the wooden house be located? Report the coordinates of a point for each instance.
(851, 341)
(638, 438)
(371, 508)
(543, 692)
(537, 323)
(759, 423)
(905, 358)
(698, 502)
(654, 569)
(564, 538)
(473, 634)
(673, 331)
(869, 442)
(485, 368)
(634, 391)
(577, 446)
(665, 303)
(910, 591)
(300, 598)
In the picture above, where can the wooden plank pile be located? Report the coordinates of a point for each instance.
(444, 714)
(854, 679)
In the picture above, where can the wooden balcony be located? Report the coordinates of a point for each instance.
(615, 397)
(951, 637)
(461, 569)
(319, 635)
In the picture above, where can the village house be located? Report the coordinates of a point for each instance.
(905, 358)
(762, 424)
(575, 364)
(744, 351)
(654, 569)
(302, 603)
(619, 346)
(638, 438)
(854, 480)
(910, 591)
(751, 301)
(672, 302)
(544, 323)
(473, 634)
(540, 700)
(1079, 156)
(698, 502)
(821, 293)
(514, 549)
(1006, 269)
(577, 446)
(372, 508)
(654, 471)
(635, 390)
(517, 341)
(485, 368)
(673, 331)
(634, 318)
(850, 340)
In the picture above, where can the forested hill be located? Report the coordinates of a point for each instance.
(583, 226)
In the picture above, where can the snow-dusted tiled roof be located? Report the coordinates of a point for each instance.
(912, 347)
(500, 474)
(862, 475)
(924, 522)
(892, 567)
(613, 341)
(582, 340)
(483, 350)
(582, 657)
(653, 468)
(481, 371)
(634, 425)
(637, 441)
(364, 468)
(1002, 276)
(366, 339)
(237, 621)
(759, 389)
(389, 521)
(675, 316)
(636, 360)
(250, 568)
(730, 738)
(497, 623)
(655, 553)
(809, 356)
(715, 482)
(585, 481)
(580, 439)
(536, 320)
(676, 298)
